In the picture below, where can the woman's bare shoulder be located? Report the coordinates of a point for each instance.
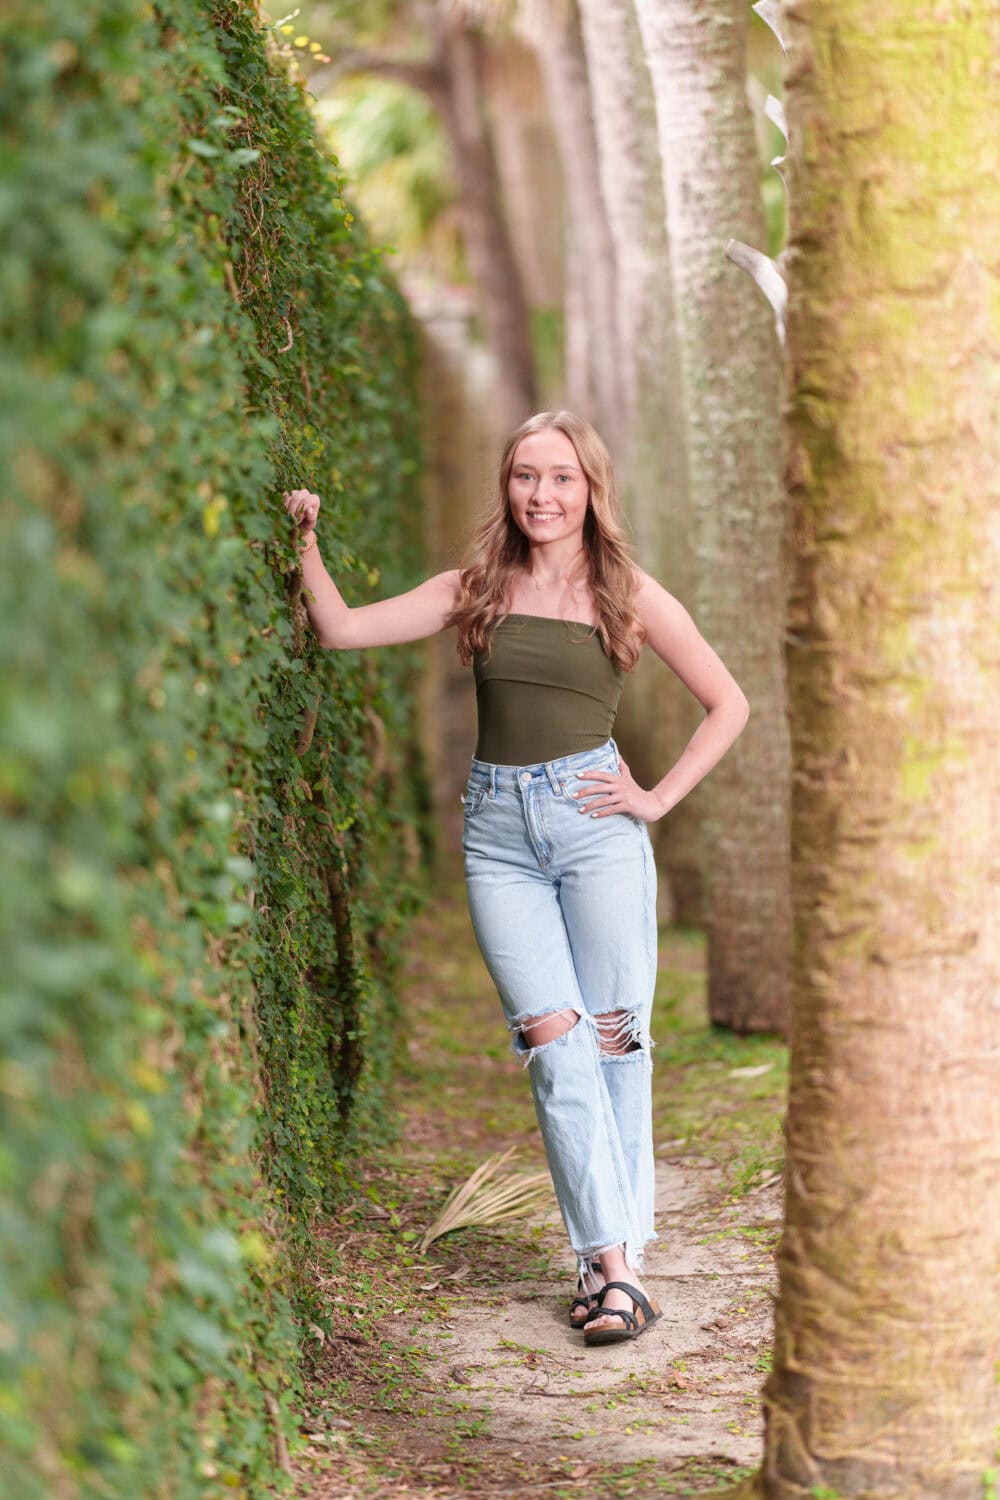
(672, 633)
(651, 598)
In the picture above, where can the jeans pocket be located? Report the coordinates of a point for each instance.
(472, 800)
(639, 822)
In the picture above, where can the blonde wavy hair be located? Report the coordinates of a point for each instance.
(499, 551)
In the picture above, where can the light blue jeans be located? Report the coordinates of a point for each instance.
(563, 906)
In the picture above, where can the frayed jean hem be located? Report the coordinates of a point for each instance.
(635, 1256)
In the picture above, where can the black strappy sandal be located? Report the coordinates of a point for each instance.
(584, 1298)
(643, 1315)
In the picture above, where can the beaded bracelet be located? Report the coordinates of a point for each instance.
(310, 546)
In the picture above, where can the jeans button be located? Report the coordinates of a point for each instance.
(525, 777)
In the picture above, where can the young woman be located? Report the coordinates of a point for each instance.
(552, 613)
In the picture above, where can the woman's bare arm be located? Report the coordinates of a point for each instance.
(420, 612)
(675, 638)
(405, 617)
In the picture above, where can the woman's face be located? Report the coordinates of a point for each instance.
(547, 488)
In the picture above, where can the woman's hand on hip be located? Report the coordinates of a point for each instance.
(617, 793)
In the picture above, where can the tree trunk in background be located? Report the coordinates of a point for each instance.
(593, 367)
(659, 715)
(888, 1322)
(530, 171)
(696, 55)
(461, 441)
(487, 237)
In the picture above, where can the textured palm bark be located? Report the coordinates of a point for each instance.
(732, 383)
(458, 48)
(530, 170)
(658, 714)
(460, 437)
(887, 1352)
(591, 342)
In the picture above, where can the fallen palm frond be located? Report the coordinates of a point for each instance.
(487, 1198)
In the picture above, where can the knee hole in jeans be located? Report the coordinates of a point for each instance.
(617, 1031)
(544, 1029)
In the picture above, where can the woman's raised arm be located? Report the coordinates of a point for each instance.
(405, 617)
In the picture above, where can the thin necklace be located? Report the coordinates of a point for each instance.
(573, 588)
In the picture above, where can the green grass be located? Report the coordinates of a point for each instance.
(736, 1121)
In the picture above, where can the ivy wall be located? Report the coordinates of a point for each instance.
(208, 824)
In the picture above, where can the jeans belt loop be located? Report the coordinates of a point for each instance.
(493, 781)
(554, 781)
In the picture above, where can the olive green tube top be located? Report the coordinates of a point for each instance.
(547, 690)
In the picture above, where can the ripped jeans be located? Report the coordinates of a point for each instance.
(563, 906)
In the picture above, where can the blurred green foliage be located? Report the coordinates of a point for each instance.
(209, 846)
(775, 201)
(391, 138)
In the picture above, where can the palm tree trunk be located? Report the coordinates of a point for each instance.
(696, 55)
(530, 173)
(659, 715)
(487, 236)
(885, 1376)
(459, 439)
(592, 355)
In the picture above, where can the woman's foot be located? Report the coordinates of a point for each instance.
(613, 1300)
(607, 1327)
(585, 1301)
(614, 1267)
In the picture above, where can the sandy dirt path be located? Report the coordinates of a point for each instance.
(687, 1390)
(496, 1394)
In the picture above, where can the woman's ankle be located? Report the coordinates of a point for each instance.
(614, 1267)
